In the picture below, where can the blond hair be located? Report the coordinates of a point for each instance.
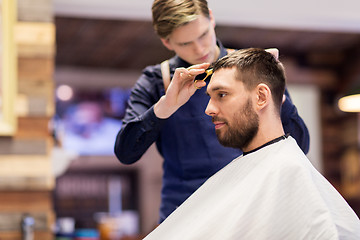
(171, 14)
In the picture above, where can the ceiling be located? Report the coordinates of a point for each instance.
(124, 45)
(306, 14)
(113, 44)
(127, 44)
(117, 35)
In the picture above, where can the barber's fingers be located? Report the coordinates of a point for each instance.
(184, 77)
(199, 66)
(274, 52)
(185, 74)
(198, 84)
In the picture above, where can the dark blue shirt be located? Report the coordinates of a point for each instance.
(186, 140)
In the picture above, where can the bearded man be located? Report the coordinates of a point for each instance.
(271, 191)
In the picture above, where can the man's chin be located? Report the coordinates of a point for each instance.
(218, 134)
(222, 140)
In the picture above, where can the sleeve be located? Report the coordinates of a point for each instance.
(140, 126)
(294, 124)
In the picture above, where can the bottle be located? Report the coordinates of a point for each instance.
(27, 227)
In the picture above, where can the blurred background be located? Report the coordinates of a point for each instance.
(75, 64)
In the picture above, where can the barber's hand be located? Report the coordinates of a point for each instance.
(274, 52)
(181, 88)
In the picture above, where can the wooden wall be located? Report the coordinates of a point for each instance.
(26, 178)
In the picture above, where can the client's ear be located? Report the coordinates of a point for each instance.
(263, 96)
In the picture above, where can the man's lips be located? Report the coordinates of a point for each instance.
(204, 58)
(218, 124)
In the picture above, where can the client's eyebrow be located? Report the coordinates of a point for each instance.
(214, 89)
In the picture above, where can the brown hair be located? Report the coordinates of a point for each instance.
(255, 66)
(171, 14)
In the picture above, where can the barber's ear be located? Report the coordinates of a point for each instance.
(166, 43)
(212, 19)
(263, 95)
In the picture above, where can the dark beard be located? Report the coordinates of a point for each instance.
(243, 131)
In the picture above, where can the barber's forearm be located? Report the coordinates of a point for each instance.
(162, 110)
(295, 125)
(136, 137)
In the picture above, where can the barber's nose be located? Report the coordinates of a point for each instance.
(198, 47)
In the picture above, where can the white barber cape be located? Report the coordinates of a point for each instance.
(272, 193)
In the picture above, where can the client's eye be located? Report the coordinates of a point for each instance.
(221, 95)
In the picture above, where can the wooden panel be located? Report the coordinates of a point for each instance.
(350, 173)
(27, 165)
(35, 10)
(16, 235)
(8, 71)
(35, 98)
(11, 221)
(34, 106)
(35, 69)
(24, 146)
(25, 201)
(25, 183)
(26, 172)
(36, 88)
(35, 39)
(33, 127)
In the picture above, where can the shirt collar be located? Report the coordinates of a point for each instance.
(283, 137)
